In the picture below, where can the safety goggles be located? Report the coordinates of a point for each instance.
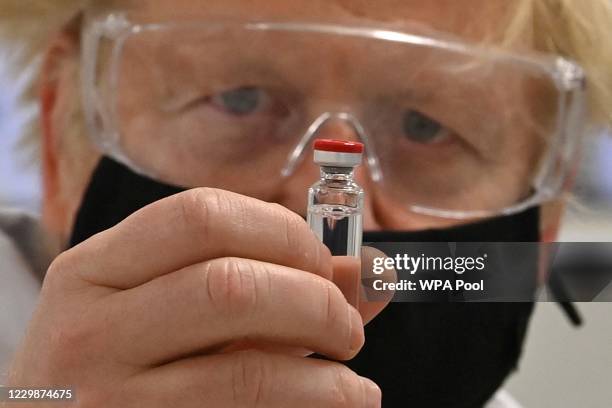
(451, 129)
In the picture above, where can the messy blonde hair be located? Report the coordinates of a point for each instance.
(579, 30)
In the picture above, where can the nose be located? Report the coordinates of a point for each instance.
(339, 129)
(295, 189)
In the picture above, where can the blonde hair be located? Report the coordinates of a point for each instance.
(579, 30)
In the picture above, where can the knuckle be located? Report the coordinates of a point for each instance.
(231, 287)
(330, 314)
(292, 230)
(297, 236)
(249, 378)
(58, 270)
(198, 207)
(300, 239)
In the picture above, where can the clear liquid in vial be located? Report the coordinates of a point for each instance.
(338, 227)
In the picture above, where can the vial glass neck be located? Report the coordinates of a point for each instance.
(337, 173)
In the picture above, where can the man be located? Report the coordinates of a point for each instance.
(214, 295)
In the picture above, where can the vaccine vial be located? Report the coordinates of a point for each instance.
(335, 202)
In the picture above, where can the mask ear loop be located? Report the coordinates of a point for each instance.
(297, 155)
(569, 308)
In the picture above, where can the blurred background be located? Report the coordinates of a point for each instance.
(562, 366)
(19, 170)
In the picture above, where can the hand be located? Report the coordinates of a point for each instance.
(147, 313)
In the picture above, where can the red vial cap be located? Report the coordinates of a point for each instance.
(338, 146)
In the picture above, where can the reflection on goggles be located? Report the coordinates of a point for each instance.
(226, 106)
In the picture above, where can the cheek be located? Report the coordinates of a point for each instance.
(386, 214)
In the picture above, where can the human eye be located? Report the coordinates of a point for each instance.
(419, 128)
(447, 134)
(241, 101)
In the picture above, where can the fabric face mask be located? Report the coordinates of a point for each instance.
(420, 354)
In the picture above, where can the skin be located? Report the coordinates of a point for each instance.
(197, 311)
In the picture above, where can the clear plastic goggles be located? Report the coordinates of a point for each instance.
(451, 129)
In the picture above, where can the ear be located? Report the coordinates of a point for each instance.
(58, 97)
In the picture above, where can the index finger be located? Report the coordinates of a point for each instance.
(195, 226)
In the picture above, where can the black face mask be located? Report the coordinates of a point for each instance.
(420, 354)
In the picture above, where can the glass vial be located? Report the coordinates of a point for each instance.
(335, 202)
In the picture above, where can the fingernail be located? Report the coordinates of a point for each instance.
(357, 337)
(373, 395)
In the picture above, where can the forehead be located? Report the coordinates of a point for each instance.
(471, 19)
